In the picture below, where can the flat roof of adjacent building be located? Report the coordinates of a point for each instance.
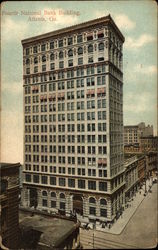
(8, 165)
(106, 19)
(53, 230)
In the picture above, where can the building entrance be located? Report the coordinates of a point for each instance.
(78, 204)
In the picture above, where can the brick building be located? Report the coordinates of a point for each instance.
(9, 204)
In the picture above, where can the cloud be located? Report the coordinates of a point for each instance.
(12, 136)
(138, 103)
(123, 22)
(13, 29)
(148, 70)
(144, 39)
(24, 28)
(12, 88)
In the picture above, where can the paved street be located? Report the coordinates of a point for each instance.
(140, 231)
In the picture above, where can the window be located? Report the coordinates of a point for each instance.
(35, 71)
(44, 180)
(103, 202)
(70, 52)
(62, 205)
(92, 200)
(53, 204)
(35, 60)
(52, 66)
(43, 47)
(61, 181)
(44, 193)
(80, 61)
(92, 185)
(100, 59)
(101, 46)
(103, 212)
(28, 71)
(27, 61)
(52, 57)
(27, 177)
(100, 34)
(61, 54)
(44, 67)
(27, 51)
(36, 178)
(90, 48)
(62, 196)
(92, 210)
(103, 186)
(80, 51)
(61, 65)
(52, 180)
(44, 203)
(70, 63)
(51, 45)
(35, 49)
(79, 39)
(70, 40)
(43, 58)
(53, 194)
(89, 37)
(71, 182)
(90, 60)
(60, 42)
(81, 184)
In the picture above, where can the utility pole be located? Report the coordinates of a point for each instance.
(93, 235)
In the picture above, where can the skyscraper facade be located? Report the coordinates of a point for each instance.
(73, 120)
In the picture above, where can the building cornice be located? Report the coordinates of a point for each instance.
(78, 27)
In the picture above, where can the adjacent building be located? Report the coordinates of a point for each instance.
(132, 133)
(9, 204)
(131, 177)
(42, 231)
(73, 120)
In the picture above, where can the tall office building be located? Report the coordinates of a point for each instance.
(73, 120)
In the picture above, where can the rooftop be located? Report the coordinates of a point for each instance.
(106, 19)
(8, 165)
(53, 231)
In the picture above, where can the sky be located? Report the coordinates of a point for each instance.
(137, 21)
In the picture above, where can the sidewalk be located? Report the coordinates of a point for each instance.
(121, 223)
(127, 214)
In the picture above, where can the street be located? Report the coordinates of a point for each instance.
(140, 232)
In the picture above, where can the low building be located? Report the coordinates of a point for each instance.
(9, 204)
(149, 143)
(141, 169)
(131, 177)
(151, 163)
(132, 133)
(41, 230)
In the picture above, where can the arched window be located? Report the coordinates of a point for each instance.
(35, 60)
(103, 202)
(90, 48)
(101, 46)
(62, 196)
(44, 193)
(70, 52)
(43, 58)
(53, 194)
(61, 54)
(52, 57)
(92, 200)
(80, 51)
(27, 61)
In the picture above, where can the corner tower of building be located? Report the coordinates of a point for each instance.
(73, 120)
